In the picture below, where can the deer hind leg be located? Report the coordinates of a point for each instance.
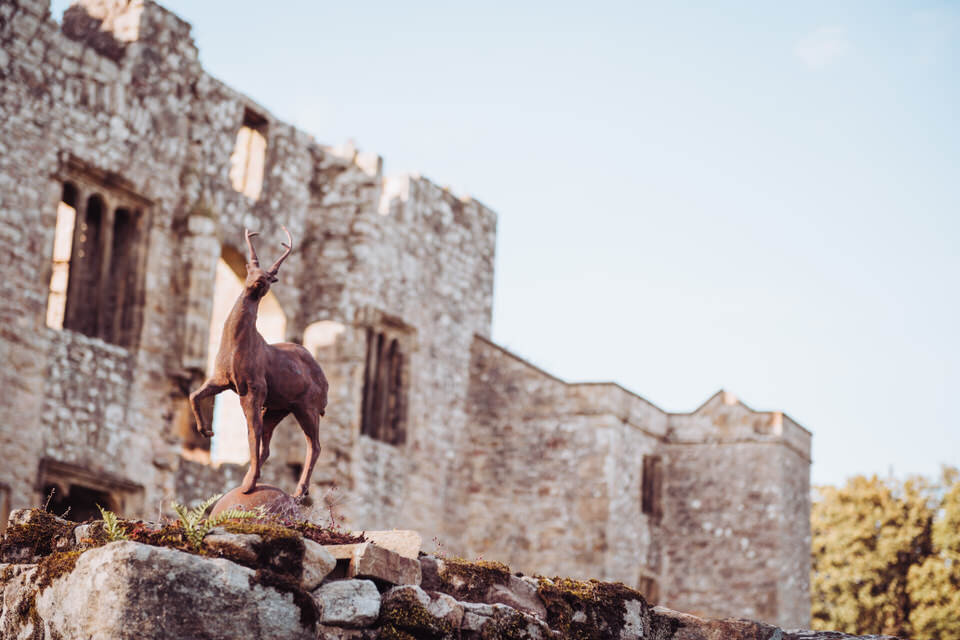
(209, 388)
(309, 420)
(252, 404)
(271, 419)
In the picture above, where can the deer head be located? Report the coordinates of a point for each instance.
(258, 281)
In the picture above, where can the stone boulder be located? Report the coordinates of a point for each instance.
(127, 590)
(481, 582)
(348, 603)
(411, 610)
(674, 625)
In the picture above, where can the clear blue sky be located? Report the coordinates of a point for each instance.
(756, 196)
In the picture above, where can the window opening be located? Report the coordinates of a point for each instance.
(80, 490)
(383, 409)
(77, 503)
(62, 247)
(249, 155)
(652, 487)
(98, 263)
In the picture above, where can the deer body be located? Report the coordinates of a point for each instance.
(272, 380)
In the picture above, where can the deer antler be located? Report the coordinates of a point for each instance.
(253, 254)
(289, 246)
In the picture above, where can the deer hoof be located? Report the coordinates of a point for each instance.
(248, 485)
(301, 492)
(208, 433)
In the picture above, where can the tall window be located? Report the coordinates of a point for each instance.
(652, 487)
(383, 414)
(249, 155)
(99, 252)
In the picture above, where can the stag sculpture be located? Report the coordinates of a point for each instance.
(272, 380)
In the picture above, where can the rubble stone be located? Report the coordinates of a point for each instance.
(237, 545)
(348, 603)
(317, 564)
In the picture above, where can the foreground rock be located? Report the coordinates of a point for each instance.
(63, 582)
(130, 590)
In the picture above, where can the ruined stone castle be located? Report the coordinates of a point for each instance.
(127, 176)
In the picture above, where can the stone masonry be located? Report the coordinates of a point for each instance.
(128, 172)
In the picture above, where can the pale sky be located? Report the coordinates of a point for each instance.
(691, 196)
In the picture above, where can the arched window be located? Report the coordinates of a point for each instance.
(383, 413)
(99, 253)
(249, 155)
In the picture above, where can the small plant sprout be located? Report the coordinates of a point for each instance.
(440, 553)
(111, 525)
(196, 526)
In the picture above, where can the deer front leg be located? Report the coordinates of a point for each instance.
(209, 388)
(252, 404)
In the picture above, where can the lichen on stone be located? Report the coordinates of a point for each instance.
(406, 617)
(40, 533)
(54, 566)
(309, 614)
(470, 581)
(601, 603)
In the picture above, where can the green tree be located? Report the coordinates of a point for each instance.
(934, 585)
(886, 557)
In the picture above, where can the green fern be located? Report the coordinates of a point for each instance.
(111, 525)
(196, 526)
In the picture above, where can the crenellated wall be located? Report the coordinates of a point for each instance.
(494, 456)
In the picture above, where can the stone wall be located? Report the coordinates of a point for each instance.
(550, 477)
(739, 514)
(552, 481)
(496, 457)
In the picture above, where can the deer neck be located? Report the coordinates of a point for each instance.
(241, 324)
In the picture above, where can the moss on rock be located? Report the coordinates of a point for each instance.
(470, 581)
(404, 616)
(601, 603)
(42, 533)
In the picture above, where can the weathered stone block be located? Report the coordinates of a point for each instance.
(481, 582)
(409, 609)
(33, 532)
(317, 564)
(404, 542)
(130, 590)
(348, 603)
(482, 621)
(367, 560)
(239, 546)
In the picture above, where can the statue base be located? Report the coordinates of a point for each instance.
(275, 502)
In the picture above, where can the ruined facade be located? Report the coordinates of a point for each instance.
(127, 176)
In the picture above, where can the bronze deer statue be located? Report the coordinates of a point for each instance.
(272, 380)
